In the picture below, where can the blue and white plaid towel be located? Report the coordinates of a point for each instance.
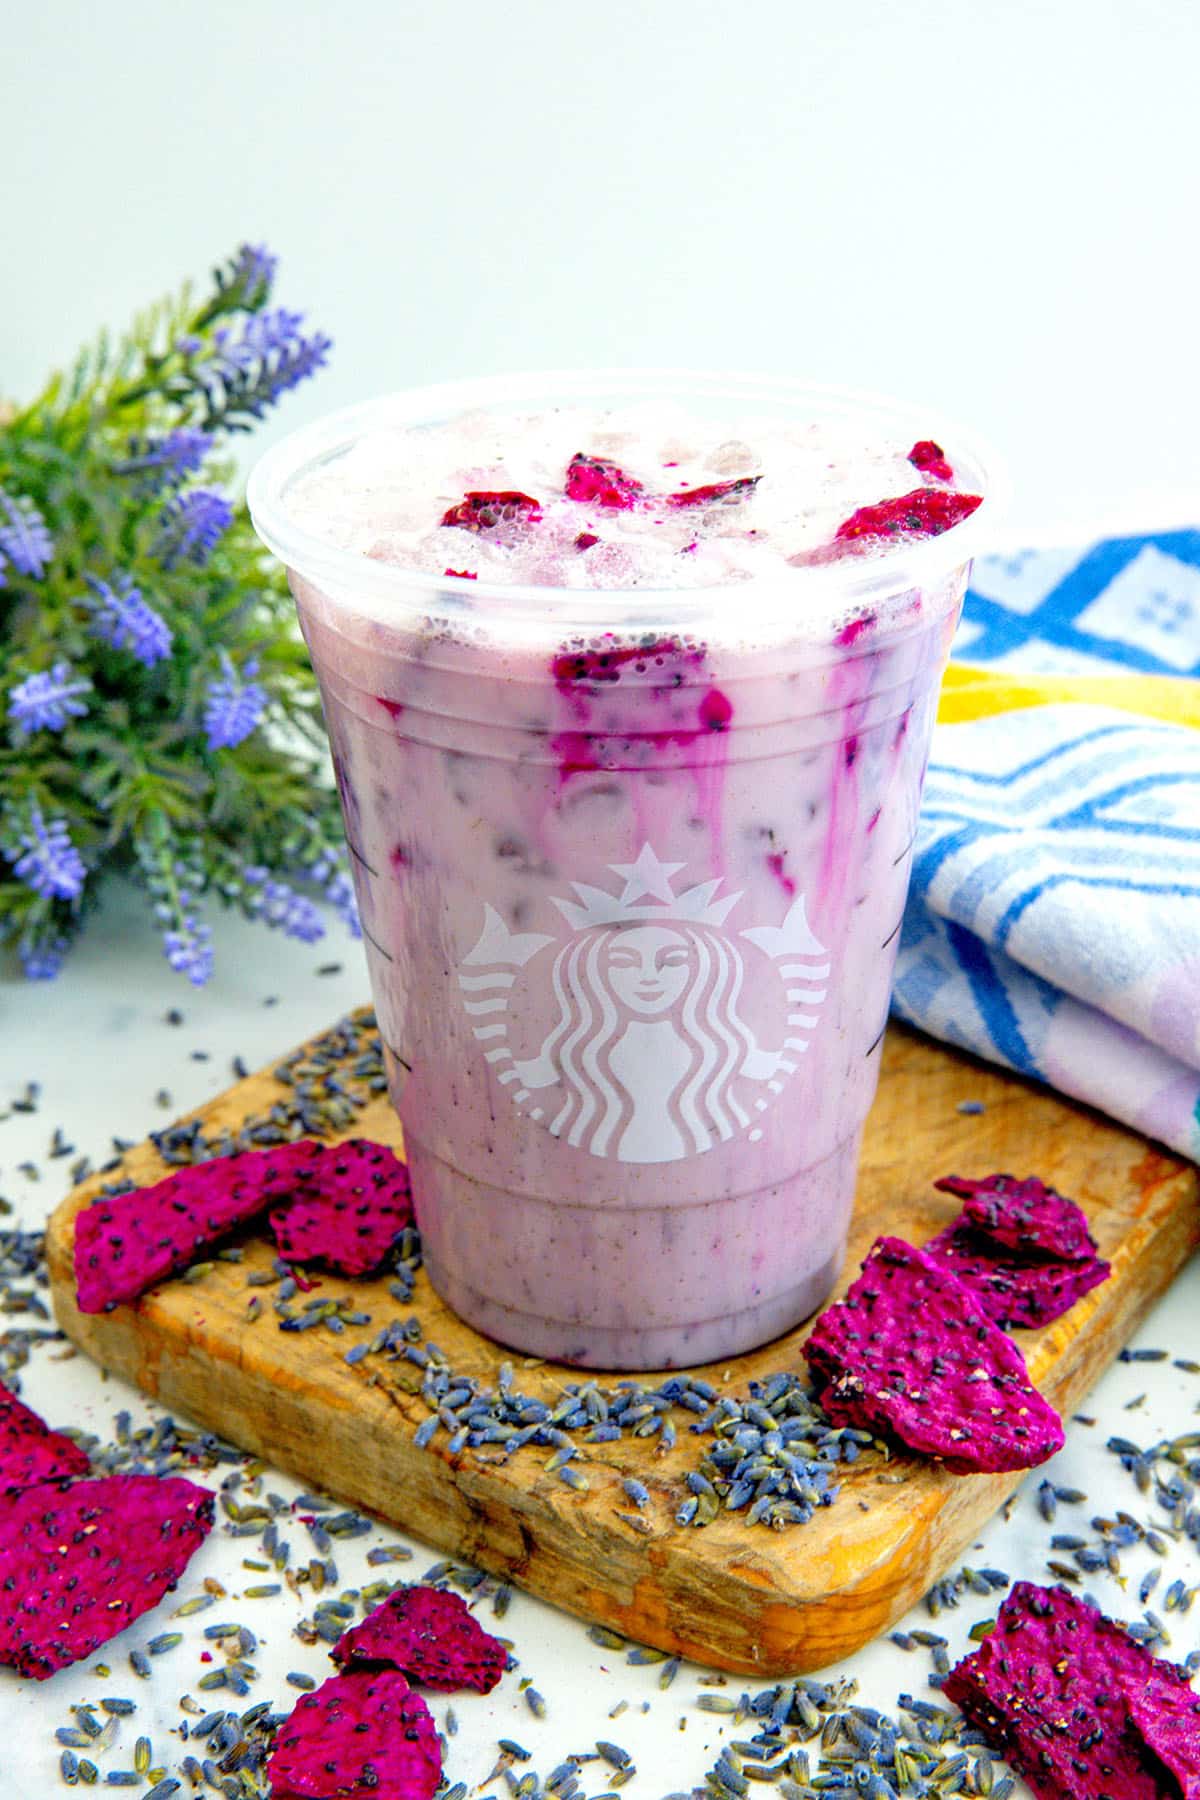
(1054, 920)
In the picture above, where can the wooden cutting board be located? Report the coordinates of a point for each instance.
(742, 1598)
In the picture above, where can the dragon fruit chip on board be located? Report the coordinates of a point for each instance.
(355, 1203)
(30, 1452)
(126, 1242)
(79, 1563)
(360, 1736)
(1011, 1290)
(432, 1636)
(1025, 1216)
(910, 1353)
(1076, 1705)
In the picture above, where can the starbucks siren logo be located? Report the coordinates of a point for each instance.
(649, 1058)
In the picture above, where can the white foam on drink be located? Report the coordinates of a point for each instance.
(386, 496)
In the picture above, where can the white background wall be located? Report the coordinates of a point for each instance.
(990, 204)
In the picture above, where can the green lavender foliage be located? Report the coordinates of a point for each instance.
(158, 715)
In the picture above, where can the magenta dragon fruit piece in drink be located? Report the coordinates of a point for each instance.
(629, 683)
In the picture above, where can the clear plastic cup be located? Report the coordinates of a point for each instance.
(631, 868)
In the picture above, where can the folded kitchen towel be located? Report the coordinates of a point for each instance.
(1054, 920)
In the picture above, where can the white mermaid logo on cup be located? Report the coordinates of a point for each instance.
(649, 1058)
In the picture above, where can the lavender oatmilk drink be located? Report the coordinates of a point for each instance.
(629, 681)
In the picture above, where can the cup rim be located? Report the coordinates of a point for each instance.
(841, 585)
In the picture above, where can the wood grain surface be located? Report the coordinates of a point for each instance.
(742, 1598)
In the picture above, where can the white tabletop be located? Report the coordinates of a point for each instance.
(98, 1043)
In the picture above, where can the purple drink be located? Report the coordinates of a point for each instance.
(631, 860)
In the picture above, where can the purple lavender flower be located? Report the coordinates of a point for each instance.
(279, 905)
(188, 948)
(163, 462)
(24, 539)
(335, 884)
(247, 281)
(235, 704)
(123, 620)
(45, 701)
(296, 357)
(340, 894)
(247, 374)
(49, 864)
(191, 525)
(42, 958)
(266, 334)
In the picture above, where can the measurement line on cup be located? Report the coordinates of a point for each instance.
(386, 954)
(891, 934)
(897, 860)
(358, 856)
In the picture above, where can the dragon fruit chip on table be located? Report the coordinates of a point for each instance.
(80, 1562)
(348, 1210)
(1078, 1706)
(1010, 1290)
(431, 1636)
(1024, 1216)
(363, 1735)
(1025, 1252)
(30, 1453)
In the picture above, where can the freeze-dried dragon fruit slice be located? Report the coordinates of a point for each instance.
(1078, 1706)
(909, 1353)
(126, 1242)
(431, 1635)
(1025, 1216)
(360, 1736)
(79, 1563)
(1010, 1290)
(30, 1452)
(355, 1203)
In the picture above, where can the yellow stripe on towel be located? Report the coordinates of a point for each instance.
(975, 693)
